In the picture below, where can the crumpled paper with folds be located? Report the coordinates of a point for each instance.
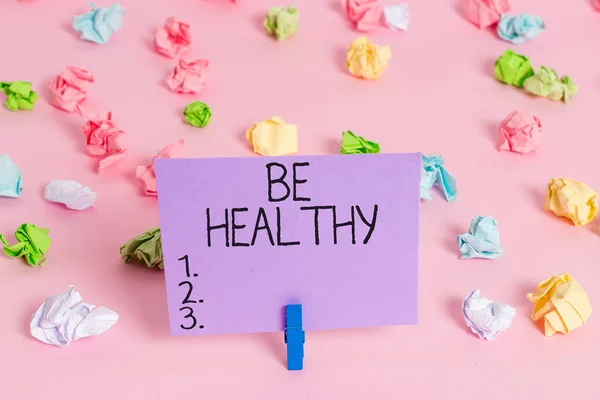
(563, 304)
(64, 317)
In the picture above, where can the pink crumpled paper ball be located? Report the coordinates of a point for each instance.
(520, 133)
(366, 14)
(146, 173)
(104, 139)
(173, 38)
(188, 77)
(69, 89)
(484, 13)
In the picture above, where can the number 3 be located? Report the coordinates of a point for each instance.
(189, 315)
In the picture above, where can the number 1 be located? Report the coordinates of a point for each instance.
(187, 264)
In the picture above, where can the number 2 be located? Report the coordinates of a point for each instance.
(187, 296)
(189, 315)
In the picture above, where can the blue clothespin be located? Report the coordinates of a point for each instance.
(294, 336)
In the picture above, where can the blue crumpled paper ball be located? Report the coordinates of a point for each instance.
(433, 173)
(482, 240)
(11, 184)
(519, 29)
(100, 23)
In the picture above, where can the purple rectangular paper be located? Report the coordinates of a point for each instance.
(244, 289)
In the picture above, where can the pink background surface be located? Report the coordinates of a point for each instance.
(437, 96)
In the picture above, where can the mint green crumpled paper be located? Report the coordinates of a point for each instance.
(547, 84)
(281, 22)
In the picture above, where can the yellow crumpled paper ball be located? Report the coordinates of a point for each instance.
(273, 137)
(573, 200)
(562, 302)
(367, 60)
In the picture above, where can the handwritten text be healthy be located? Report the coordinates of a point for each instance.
(238, 232)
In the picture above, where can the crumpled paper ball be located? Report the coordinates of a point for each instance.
(197, 114)
(19, 95)
(69, 89)
(366, 14)
(563, 304)
(100, 23)
(273, 137)
(281, 22)
(545, 83)
(434, 173)
(145, 247)
(520, 133)
(64, 317)
(572, 199)
(484, 13)
(11, 181)
(354, 144)
(397, 16)
(520, 29)
(486, 318)
(32, 243)
(366, 60)
(173, 38)
(482, 240)
(72, 194)
(188, 77)
(104, 139)
(512, 68)
(146, 173)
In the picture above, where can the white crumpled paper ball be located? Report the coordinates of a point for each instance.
(64, 317)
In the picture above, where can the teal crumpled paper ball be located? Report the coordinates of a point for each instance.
(519, 29)
(100, 23)
(433, 173)
(11, 184)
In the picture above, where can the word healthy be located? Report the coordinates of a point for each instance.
(231, 227)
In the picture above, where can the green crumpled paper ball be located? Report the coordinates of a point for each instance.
(145, 247)
(32, 243)
(281, 22)
(545, 83)
(19, 95)
(197, 114)
(354, 144)
(512, 68)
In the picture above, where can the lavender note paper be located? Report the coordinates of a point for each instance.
(244, 237)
